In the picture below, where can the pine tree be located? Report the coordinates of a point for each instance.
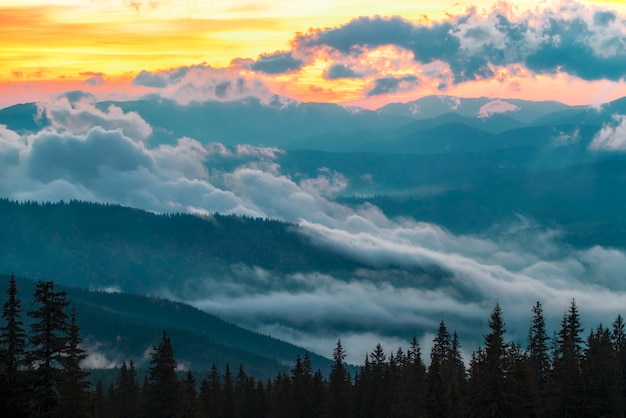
(618, 338)
(74, 397)
(211, 394)
(339, 386)
(436, 380)
(538, 351)
(415, 375)
(228, 394)
(189, 397)
(520, 384)
(490, 397)
(301, 385)
(565, 385)
(602, 377)
(163, 398)
(127, 392)
(12, 351)
(454, 374)
(281, 404)
(48, 341)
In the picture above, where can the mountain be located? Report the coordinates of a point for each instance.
(428, 107)
(23, 118)
(93, 245)
(117, 326)
(250, 121)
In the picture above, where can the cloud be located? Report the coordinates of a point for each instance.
(567, 138)
(78, 117)
(572, 38)
(150, 79)
(201, 83)
(337, 71)
(612, 136)
(388, 85)
(276, 63)
(496, 106)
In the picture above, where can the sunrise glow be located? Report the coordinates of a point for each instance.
(51, 46)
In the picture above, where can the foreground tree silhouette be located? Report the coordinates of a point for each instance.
(12, 349)
(489, 395)
(602, 376)
(436, 383)
(163, 397)
(126, 392)
(565, 384)
(48, 342)
(75, 398)
(339, 386)
(538, 347)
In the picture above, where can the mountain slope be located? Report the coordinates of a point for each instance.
(94, 245)
(117, 327)
(524, 111)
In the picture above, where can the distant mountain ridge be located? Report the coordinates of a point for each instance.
(290, 124)
(427, 107)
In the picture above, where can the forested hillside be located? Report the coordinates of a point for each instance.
(121, 326)
(98, 245)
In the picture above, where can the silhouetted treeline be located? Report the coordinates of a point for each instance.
(572, 374)
(564, 376)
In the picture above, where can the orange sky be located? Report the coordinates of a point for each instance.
(48, 47)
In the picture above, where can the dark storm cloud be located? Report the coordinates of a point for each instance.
(337, 71)
(388, 85)
(276, 63)
(587, 43)
(54, 155)
(150, 79)
(604, 18)
(200, 83)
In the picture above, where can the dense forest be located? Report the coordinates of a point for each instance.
(566, 375)
(78, 243)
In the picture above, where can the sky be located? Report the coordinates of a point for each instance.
(364, 53)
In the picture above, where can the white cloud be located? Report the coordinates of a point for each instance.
(494, 107)
(80, 117)
(201, 83)
(612, 136)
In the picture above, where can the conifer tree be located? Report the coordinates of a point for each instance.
(538, 351)
(602, 377)
(228, 394)
(618, 338)
(127, 392)
(189, 407)
(436, 390)
(565, 385)
(163, 398)
(12, 350)
(211, 394)
(74, 397)
(48, 341)
(415, 379)
(520, 384)
(490, 396)
(301, 385)
(454, 373)
(339, 386)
